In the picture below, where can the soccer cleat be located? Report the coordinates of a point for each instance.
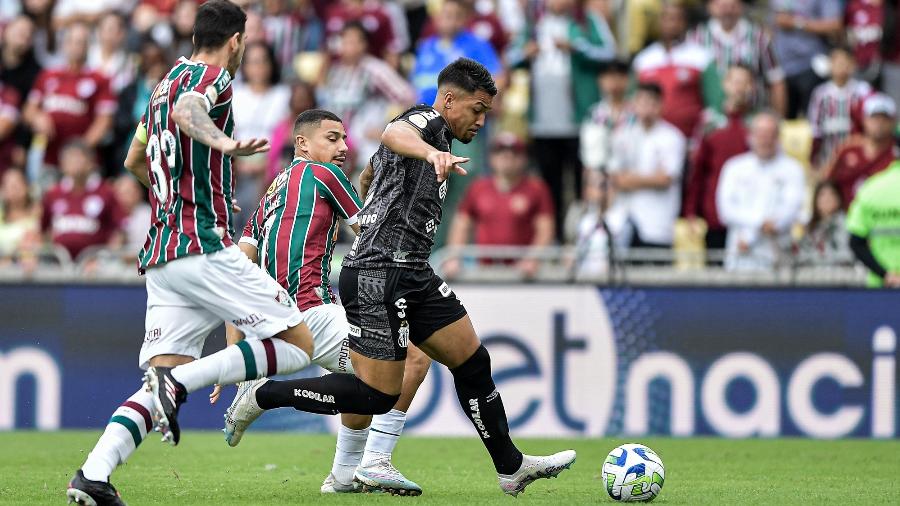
(381, 476)
(332, 486)
(534, 468)
(92, 493)
(168, 396)
(243, 411)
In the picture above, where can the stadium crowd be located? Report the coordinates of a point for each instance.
(743, 128)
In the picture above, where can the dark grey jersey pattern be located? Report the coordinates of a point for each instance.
(403, 208)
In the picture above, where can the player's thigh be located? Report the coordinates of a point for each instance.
(236, 290)
(377, 341)
(173, 325)
(439, 324)
(330, 331)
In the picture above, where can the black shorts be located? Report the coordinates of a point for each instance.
(387, 308)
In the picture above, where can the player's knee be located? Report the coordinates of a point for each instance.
(476, 370)
(417, 365)
(379, 402)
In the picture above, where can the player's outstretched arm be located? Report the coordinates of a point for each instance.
(135, 160)
(405, 140)
(192, 117)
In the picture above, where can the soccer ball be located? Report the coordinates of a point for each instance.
(633, 473)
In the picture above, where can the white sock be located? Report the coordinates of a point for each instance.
(248, 360)
(384, 434)
(347, 453)
(124, 432)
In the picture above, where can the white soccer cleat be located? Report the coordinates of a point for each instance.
(243, 411)
(534, 468)
(381, 476)
(332, 486)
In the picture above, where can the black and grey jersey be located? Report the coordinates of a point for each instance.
(403, 207)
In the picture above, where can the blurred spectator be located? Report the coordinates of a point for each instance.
(592, 45)
(81, 211)
(605, 117)
(482, 20)
(18, 215)
(258, 103)
(733, 39)
(10, 154)
(861, 157)
(722, 136)
(291, 28)
(45, 36)
(865, 20)
(552, 122)
(68, 12)
(684, 70)
(70, 101)
(507, 208)
(135, 213)
(177, 31)
(361, 89)
(890, 50)
(303, 97)
(645, 171)
(590, 225)
(826, 240)
(383, 42)
(18, 66)
(641, 23)
(760, 197)
(835, 106)
(873, 221)
(450, 42)
(109, 56)
(133, 100)
(801, 30)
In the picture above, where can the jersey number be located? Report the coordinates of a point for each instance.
(155, 151)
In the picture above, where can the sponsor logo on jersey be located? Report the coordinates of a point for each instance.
(251, 320)
(316, 396)
(429, 227)
(445, 290)
(442, 191)
(421, 119)
(354, 331)
(400, 256)
(152, 335)
(368, 219)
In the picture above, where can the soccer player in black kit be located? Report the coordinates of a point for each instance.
(393, 297)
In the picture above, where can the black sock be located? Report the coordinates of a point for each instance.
(481, 402)
(326, 395)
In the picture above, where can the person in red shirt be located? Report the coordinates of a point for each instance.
(861, 157)
(482, 21)
(81, 210)
(508, 208)
(9, 118)
(383, 42)
(722, 136)
(71, 101)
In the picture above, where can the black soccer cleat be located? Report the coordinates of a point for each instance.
(168, 396)
(92, 493)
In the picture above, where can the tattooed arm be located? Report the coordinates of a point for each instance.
(192, 117)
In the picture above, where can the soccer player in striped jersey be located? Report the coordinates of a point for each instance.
(291, 235)
(196, 277)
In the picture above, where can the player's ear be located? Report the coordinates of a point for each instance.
(449, 98)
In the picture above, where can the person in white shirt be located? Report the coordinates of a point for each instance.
(645, 169)
(760, 197)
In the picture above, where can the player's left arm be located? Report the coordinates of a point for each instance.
(136, 159)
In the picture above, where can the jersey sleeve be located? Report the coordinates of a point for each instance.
(426, 120)
(208, 83)
(336, 188)
(254, 226)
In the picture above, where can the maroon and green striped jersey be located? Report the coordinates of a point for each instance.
(191, 184)
(294, 228)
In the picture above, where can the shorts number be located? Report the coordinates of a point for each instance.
(155, 151)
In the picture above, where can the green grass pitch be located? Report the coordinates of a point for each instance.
(282, 468)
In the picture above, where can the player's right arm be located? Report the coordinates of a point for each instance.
(191, 114)
(136, 160)
(405, 140)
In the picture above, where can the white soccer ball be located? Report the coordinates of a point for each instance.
(633, 473)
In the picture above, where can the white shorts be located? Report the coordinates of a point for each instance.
(189, 297)
(329, 327)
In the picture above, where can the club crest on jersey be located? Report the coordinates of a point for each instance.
(283, 298)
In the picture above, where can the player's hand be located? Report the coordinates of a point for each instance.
(445, 164)
(214, 396)
(247, 147)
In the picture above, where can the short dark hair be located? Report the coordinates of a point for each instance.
(742, 66)
(651, 88)
(616, 66)
(359, 27)
(468, 75)
(314, 118)
(217, 21)
(842, 48)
